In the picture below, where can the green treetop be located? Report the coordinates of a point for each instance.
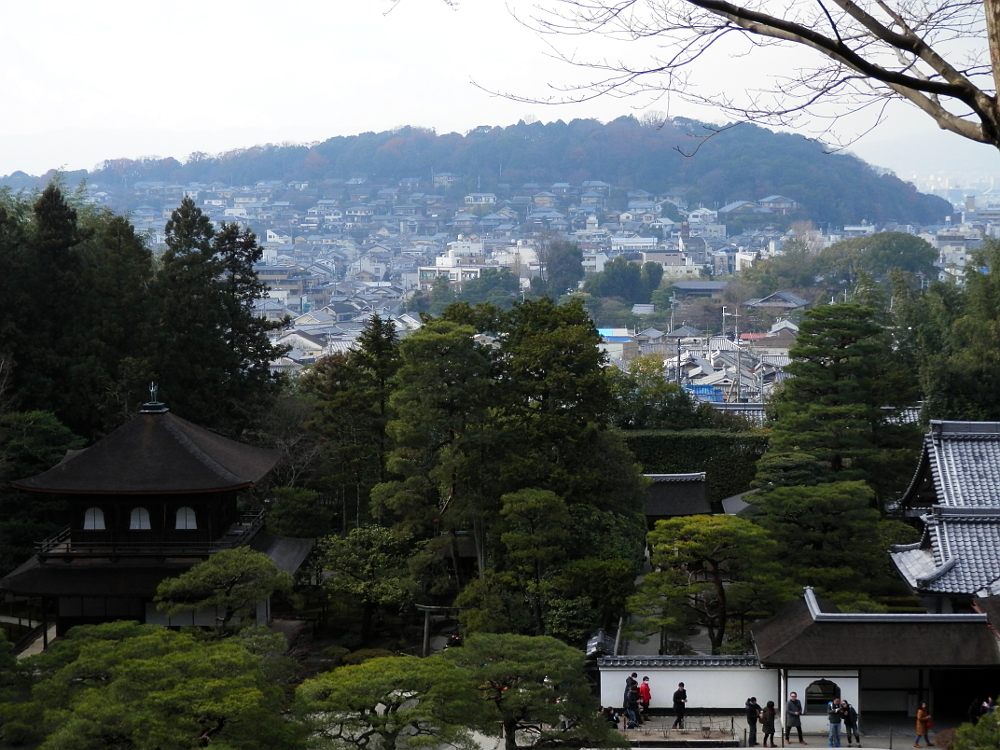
(393, 703)
(231, 582)
(529, 686)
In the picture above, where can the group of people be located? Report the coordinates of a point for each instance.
(980, 708)
(766, 717)
(636, 704)
(841, 712)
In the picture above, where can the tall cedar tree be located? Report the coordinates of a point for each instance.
(52, 265)
(212, 355)
(832, 410)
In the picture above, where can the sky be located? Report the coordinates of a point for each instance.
(84, 80)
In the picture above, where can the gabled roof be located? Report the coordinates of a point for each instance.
(810, 633)
(782, 299)
(156, 453)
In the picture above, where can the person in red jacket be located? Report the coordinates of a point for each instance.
(645, 696)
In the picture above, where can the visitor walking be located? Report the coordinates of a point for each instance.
(923, 725)
(793, 717)
(680, 703)
(645, 696)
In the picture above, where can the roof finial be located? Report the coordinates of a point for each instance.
(153, 406)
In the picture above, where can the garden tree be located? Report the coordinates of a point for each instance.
(534, 533)
(369, 565)
(30, 443)
(554, 412)
(834, 408)
(124, 685)
(709, 570)
(646, 400)
(441, 404)
(231, 582)
(392, 703)
(210, 351)
(877, 255)
(527, 687)
(864, 53)
(829, 536)
(298, 512)
(351, 396)
(957, 333)
(563, 267)
(984, 733)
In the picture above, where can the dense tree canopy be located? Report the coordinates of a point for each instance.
(145, 687)
(391, 703)
(708, 570)
(530, 689)
(746, 161)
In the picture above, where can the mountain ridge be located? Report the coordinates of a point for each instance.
(681, 156)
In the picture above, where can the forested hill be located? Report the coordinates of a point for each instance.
(745, 162)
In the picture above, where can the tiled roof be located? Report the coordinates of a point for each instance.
(678, 662)
(959, 554)
(965, 462)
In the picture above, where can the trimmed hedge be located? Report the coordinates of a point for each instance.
(729, 459)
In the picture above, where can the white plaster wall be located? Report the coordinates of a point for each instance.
(707, 687)
(799, 680)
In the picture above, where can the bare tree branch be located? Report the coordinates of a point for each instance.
(931, 53)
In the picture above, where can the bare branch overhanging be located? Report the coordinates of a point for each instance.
(931, 54)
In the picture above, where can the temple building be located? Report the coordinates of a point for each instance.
(146, 503)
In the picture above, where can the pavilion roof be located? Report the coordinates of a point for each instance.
(156, 453)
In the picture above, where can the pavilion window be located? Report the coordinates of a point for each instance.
(139, 519)
(819, 694)
(93, 519)
(186, 519)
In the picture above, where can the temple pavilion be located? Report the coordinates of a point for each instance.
(146, 503)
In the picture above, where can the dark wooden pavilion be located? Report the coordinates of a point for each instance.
(147, 502)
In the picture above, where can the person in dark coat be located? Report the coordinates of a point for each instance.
(767, 716)
(793, 718)
(630, 682)
(632, 706)
(851, 723)
(680, 703)
(753, 714)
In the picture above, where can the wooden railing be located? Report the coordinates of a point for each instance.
(69, 543)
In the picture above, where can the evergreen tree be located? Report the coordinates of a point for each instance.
(351, 396)
(832, 410)
(563, 267)
(210, 352)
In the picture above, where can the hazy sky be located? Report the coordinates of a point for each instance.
(86, 81)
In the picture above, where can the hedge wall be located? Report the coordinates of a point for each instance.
(728, 458)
